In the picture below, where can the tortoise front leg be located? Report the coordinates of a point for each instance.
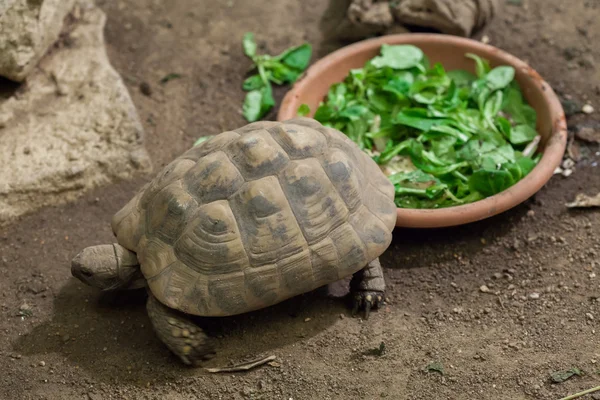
(367, 288)
(179, 333)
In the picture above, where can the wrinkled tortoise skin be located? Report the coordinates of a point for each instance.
(257, 215)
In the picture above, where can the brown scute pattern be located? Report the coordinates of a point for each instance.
(296, 273)
(340, 141)
(227, 294)
(381, 207)
(127, 224)
(258, 215)
(213, 178)
(298, 141)
(263, 285)
(315, 203)
(216, 143)
(324, 260)
(351, 251)
(168, 175)
(154, 256)
(341, 172)
(372, 231)
(267, 224)
(211, 243)
(375, 190)
(189, 294)
(198, 301)
(257, 154)
(178, 284)
(377, 180)
(171, 209)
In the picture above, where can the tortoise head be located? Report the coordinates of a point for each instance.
(107, 267)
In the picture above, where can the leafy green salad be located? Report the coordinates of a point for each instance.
(443, 138)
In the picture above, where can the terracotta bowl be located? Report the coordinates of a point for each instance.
(450, 51)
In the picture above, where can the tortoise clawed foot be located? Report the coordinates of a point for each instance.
(180, 334)
(366, 300)
(195, 355)
(193, 350)
(188, 342)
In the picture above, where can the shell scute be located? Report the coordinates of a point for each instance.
(314, 201)
(211, 243)
(257, 155)
(268, 227)
(213, 177)
(171, 209)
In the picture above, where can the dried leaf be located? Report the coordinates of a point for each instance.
(561, 376)
(378, 351)
(588, 132)
(584, 201)
(435, 367)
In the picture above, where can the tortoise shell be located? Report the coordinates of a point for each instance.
(257, 215)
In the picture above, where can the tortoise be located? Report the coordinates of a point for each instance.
(245, 220)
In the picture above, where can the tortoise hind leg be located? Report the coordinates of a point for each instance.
(367, 288)
(179, 333)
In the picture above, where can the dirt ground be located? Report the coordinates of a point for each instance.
(539, 261)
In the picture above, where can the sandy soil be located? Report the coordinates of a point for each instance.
(61, 340)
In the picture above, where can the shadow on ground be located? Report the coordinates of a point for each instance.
(467, 240)
(97, 332)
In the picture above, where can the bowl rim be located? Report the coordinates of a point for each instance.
(552, 153)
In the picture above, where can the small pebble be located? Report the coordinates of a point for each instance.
(534, 296)
(42, 363)
(568, 163)
(307, 319)
(588, 109)
(485, 39)
(484, 289)
(589, 316)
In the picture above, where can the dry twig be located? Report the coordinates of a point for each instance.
(576, 395)
(244, 366)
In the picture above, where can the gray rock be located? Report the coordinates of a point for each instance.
(71, 127)
(27, 30)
